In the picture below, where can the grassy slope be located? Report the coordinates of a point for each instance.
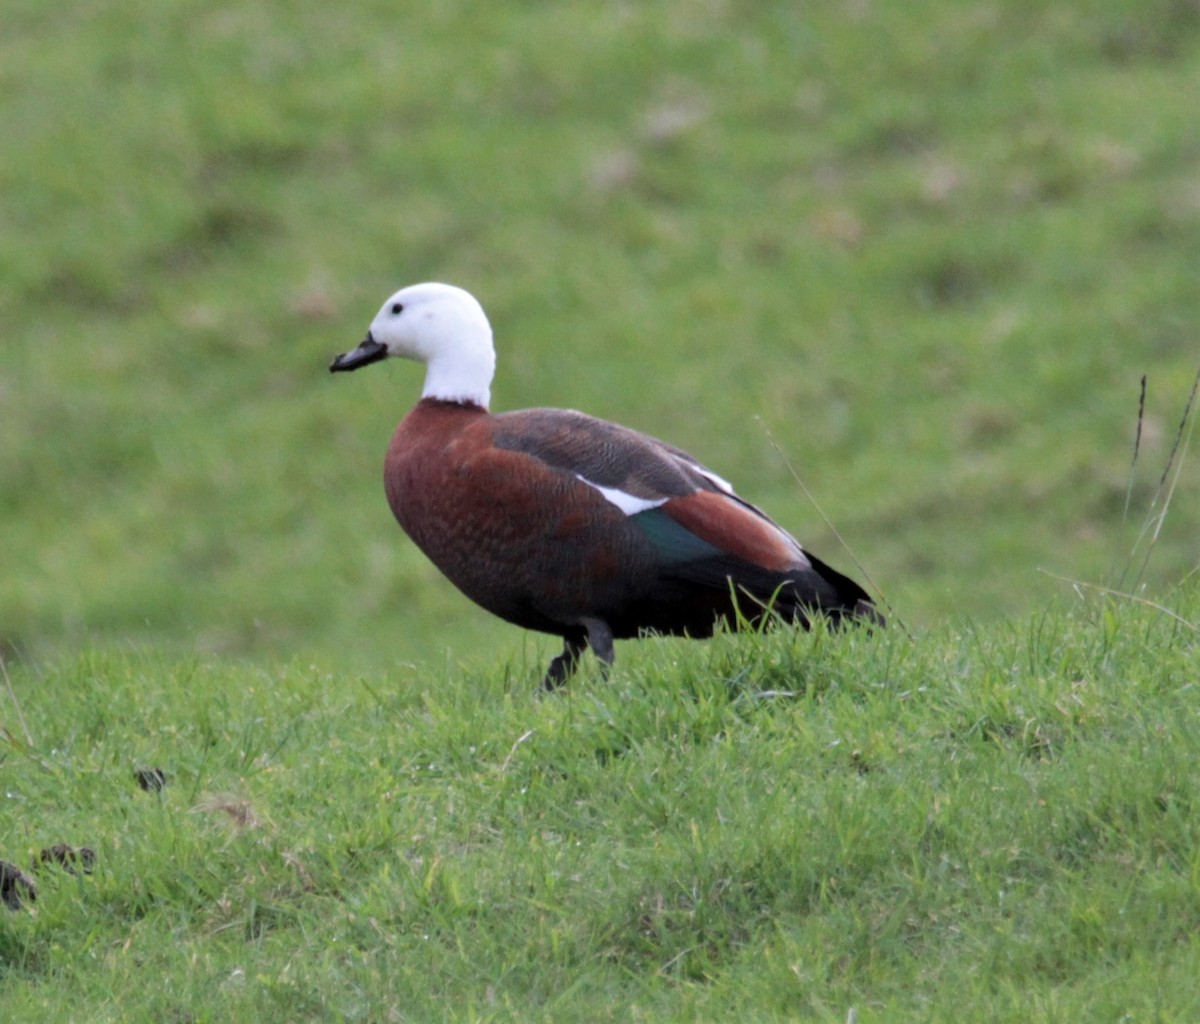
(998, 820)
(933, 246)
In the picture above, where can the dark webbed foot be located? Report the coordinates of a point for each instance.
(599, 637)
(563, 667)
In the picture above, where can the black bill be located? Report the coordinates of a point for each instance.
(369, 351)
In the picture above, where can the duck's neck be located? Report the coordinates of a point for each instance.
(466, 378)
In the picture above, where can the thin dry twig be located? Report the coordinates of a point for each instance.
(238, 811)
(1128, 597)
(12, 694)
(1137, 446)
(1182, 439)
(513, 752)
(892, 616)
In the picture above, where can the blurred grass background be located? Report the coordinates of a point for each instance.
(931, 248)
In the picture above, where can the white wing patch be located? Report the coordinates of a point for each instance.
(630, 504)
(708, 474)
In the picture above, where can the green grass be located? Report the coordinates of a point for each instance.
(931, 248)
(928, 248)
(997, 820)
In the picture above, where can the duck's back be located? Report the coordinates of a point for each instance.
(548, 517)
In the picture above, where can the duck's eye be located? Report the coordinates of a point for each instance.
(397, 308)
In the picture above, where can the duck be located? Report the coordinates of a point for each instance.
(569, 525)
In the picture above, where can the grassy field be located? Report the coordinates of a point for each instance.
(924, 253)
(994, 822)
(930, 249)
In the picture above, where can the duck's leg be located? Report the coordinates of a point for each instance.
(598, 636)
(563, 667)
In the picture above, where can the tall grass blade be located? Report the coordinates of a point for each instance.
(12, 695)
(1178, 449)
(1137, 446)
